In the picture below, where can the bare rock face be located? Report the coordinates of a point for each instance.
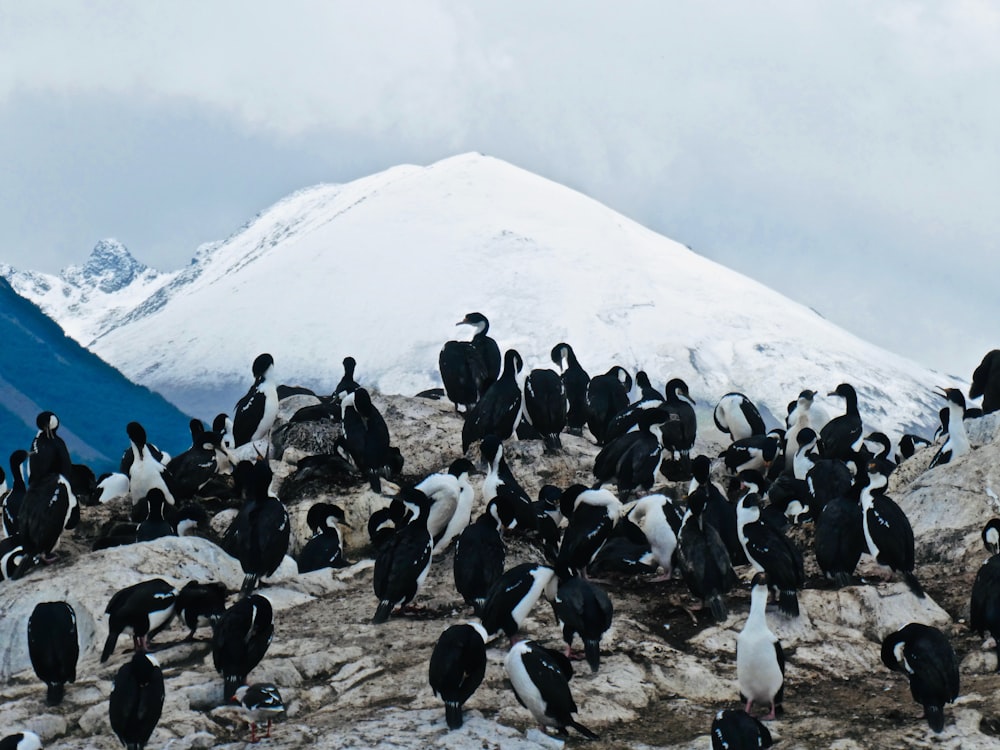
(665, 671)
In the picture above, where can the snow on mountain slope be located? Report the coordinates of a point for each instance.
(381, 269)
(93, 298)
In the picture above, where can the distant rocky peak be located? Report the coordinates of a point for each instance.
(110, 267)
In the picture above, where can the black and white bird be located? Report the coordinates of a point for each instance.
(136, 701)
(261, 702)
(451, 496)
(199, 605)
(607, 396)
(487, 347)
(545, 406)
(48, 452)
(770, 552)
(325, 548)
(842, 436)
(347, 384)
(704, 561)
(738, 730)
(737, 416)
(260, 533)
(21, 741)
(839, 540)
(986, 381)
(803, 413)
(575, 381)
(540, 679)
(805, 452)
(154, 525)
(196, 467)
(145, 465)
(367, 438)
(760, 661)
(592, 516)
(457, 668)
(141, 610)
(632, 460)
(909, 444)
(49, 506)
(402, 565)
(924, 654)
(11, 555)
(240, 640)
(479, 559)
(956, 443)
(255, 412)
(655, 516)
(879, 446)
(646, 390)
(888, 533)
(991, 536)
(465, 372)
(53, 647)
(498, 411)
(505, 498)
(647, 399)
(515, 594)
(222, 425)
(681, 426)
(717, 511)
(458, 476)
(984, 606)
(583, 609)
(15, 495)
(756, 452)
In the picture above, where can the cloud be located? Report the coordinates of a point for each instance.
(859, 136)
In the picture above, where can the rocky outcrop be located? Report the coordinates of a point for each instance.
(665, 671)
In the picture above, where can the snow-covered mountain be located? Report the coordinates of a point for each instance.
(91, 299)
(381, 269)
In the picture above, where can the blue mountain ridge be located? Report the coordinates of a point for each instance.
(43, 369)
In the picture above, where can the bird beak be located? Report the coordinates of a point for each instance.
(941, 391)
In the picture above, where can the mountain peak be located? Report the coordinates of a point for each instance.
(110, 267)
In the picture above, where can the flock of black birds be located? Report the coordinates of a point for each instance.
(821, 472)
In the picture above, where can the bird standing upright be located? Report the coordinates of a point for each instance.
(255, 413)
(260, 534)
(540, 679)
(499, 410)
(760, 661)
(49, 506)
(240, 640)
(136, 701)
(956, 442)
(457, 667)
(53, 647)
(402, 565)
(575, 381)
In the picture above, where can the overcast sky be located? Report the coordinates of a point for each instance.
(843, 152)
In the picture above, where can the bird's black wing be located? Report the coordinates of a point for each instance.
(891, 531)
(247, 415)
(548, 674)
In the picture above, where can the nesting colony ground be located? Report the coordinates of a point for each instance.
(664, 672)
